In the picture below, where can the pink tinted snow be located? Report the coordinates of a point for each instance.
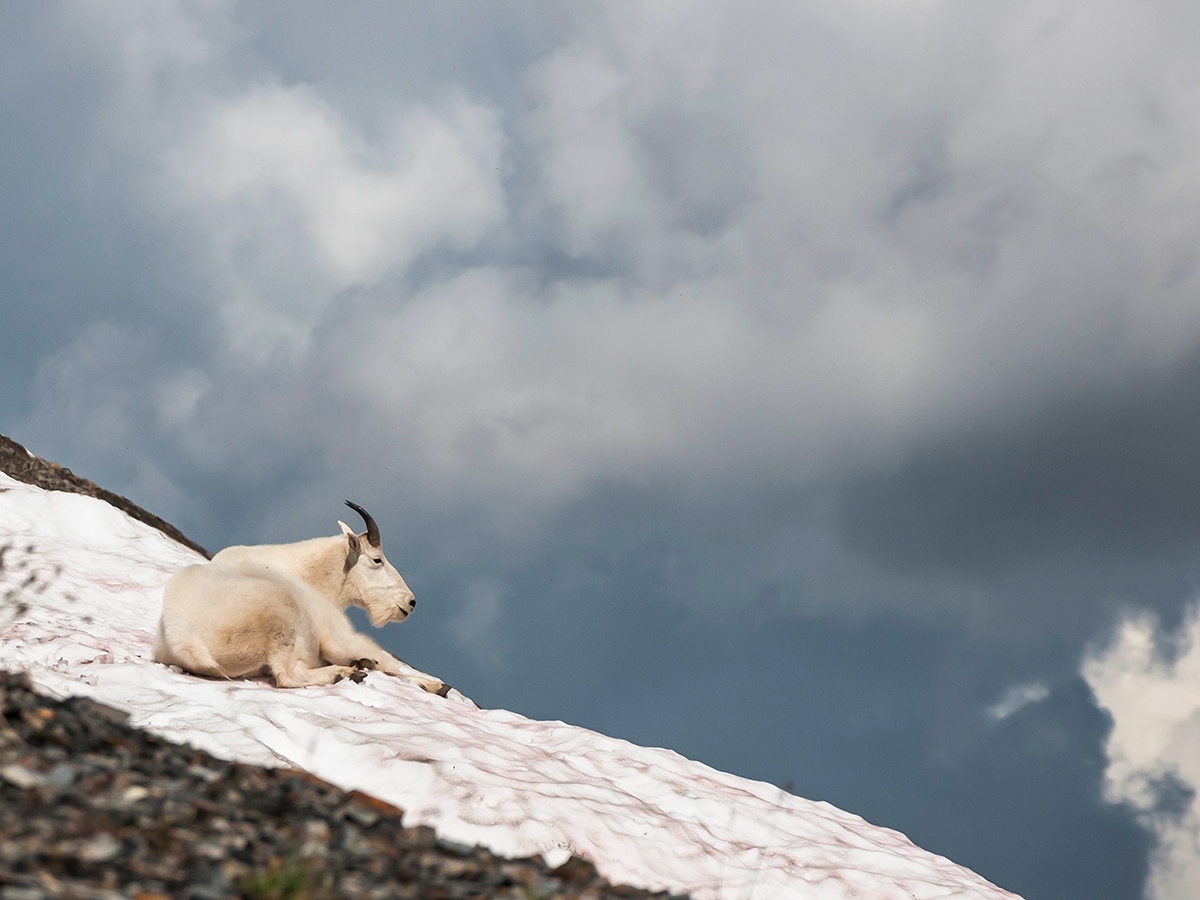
(521, 787)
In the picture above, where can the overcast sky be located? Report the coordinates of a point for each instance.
(810, 387)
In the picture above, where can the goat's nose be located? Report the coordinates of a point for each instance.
(412, 603)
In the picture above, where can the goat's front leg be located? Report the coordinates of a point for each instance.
(360, 651)
(293, 673)
(390, 665)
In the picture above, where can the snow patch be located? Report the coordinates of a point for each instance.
(521, 787)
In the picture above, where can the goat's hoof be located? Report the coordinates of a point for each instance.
(357, 676)
(364, 663)
(443, 690)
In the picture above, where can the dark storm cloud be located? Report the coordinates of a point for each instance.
(1090, 504)
(803, 386)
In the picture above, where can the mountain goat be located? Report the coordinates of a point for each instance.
(280, 608)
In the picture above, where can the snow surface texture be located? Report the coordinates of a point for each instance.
(647, 817)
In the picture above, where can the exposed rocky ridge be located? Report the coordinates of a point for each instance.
(22, 465)
(93, 808)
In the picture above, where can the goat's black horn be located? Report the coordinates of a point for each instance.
(372, 528)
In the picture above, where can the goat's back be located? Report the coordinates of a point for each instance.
(228, 620)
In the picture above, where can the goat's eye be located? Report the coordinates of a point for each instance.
(379, 560)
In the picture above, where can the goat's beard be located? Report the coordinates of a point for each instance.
(382, 608)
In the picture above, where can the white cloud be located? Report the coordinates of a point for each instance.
(1017, 698)
(363, 206)
(298, 204)
(282, 199)
(586, 152)
(914, 253)
(1154, 746)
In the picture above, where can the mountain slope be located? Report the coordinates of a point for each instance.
(520, 787)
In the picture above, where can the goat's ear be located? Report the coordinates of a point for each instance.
(351, 537)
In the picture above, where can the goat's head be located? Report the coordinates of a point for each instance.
(371, 581)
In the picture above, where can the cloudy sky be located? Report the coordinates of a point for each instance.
(810, 387)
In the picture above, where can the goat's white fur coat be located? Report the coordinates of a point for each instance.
(280, 608)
